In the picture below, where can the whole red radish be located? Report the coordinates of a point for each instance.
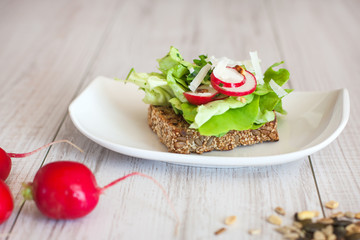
(5, 165)
(68, 190)
(6, 202)
(5, 158)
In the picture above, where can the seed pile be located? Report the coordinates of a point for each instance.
(308, 226)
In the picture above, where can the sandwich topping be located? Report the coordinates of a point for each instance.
(215, 95)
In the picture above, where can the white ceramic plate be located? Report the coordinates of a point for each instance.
(113, 115)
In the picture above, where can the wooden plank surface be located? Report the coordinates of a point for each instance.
(325, 58)
(43, 60)
(69, 43)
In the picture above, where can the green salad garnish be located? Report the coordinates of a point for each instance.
(217, 117)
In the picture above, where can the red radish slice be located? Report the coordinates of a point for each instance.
(246, 89)
(203, 94)
(228, 77)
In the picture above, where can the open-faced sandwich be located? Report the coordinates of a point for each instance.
(212, 103)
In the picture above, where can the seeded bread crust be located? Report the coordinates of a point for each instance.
(174, 132)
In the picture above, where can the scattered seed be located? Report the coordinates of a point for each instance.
(241, 99)
(340, 231)
(325, 220)
(337, 215)
(291, 236)
(297, 225)
(342, 223)
(306, 215)
(332, 204)
(352, 228)
(239, 69)
(295, 229)
(331, 237)
(283, 230)
(349, 214)
(317, 213)
(318, 235)
(280, 210)
(355, 236)
(306, 225)
(230, 220)
(221, 230)
(273, 219)
(254, 231)
(328, 230)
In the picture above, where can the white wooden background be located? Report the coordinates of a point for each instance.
(51, 50)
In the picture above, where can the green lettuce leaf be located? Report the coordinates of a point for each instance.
(206, 111)
(189, 112)
(280, 76)
(155, 86)
(180, 71)
(278, 108)
(176, 105)
(177, 88)
(264, 117)
(233, 119)
(171, 60)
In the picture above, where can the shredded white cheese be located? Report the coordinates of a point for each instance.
(277, 89)
(220, 67)
(248, 65)
(195, 83)
(256, 65)
(231, 63)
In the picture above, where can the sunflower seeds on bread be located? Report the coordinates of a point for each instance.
(174, 132)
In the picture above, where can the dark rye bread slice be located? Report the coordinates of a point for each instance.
(174, 132)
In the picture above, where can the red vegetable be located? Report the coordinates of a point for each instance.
(203, 94)
(6, 202)
(68, 190)
(5, 158)
(237, 79)
(5, 165)
(247, 88)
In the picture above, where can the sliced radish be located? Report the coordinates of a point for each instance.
(203, 94)
(248, 87)
(228, 77)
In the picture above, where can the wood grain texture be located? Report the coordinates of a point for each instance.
(43, 59)
(195, 191)
(203, 197)
(326, 59)
(69, 43)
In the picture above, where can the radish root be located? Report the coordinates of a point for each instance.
(21, 155)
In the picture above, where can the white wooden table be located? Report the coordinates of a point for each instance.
(51, 50)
